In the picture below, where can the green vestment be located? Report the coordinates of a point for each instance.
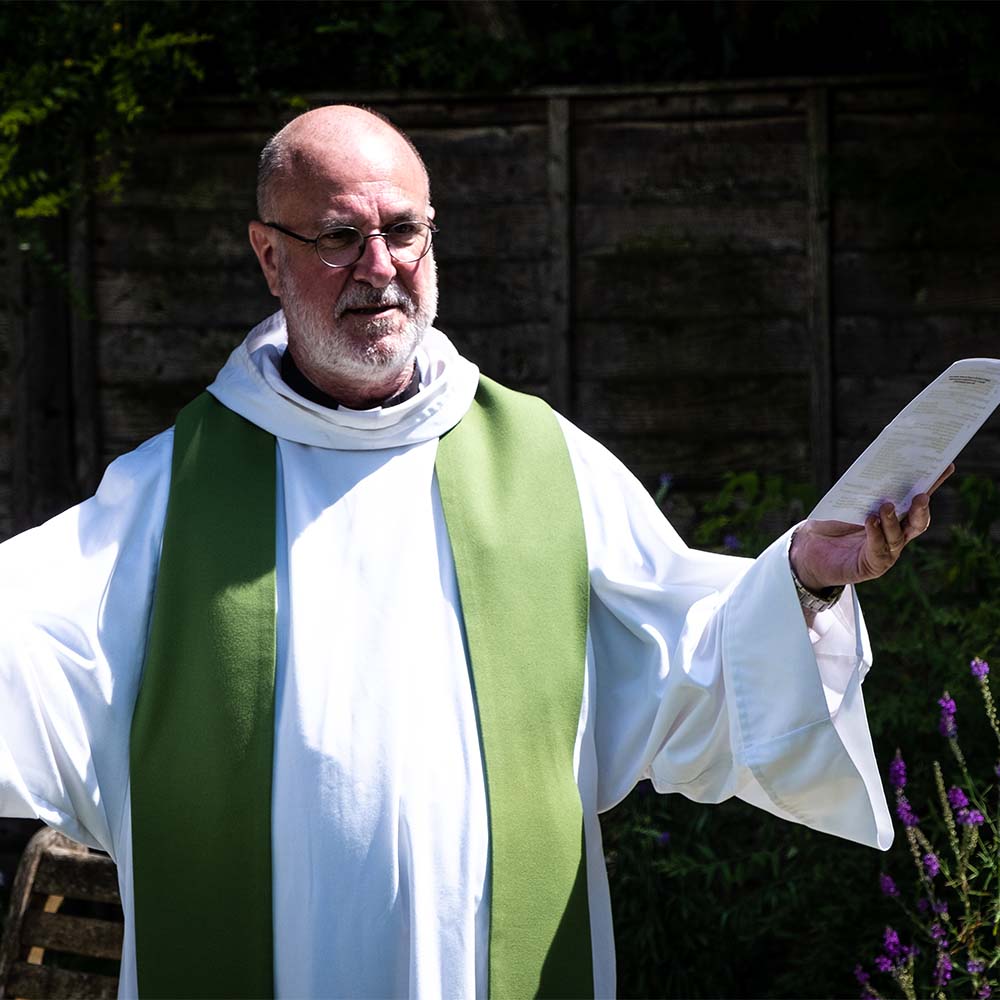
(203, 730)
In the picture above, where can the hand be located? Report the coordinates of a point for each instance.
(831, 553)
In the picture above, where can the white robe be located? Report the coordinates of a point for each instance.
(700, 675)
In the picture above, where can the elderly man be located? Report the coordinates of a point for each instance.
(342, 668)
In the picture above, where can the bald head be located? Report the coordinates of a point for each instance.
(337, 140)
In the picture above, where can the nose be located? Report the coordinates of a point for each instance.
(375, 267)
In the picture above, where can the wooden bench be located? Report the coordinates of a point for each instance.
(63, 932)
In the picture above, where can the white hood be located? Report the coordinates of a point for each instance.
(250, 384)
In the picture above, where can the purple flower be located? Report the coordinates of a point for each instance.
(906, 815)
(923, 905)
(860, 975)
(883, 963)
(941, 908)
(985, 992)
(664, 838)
(666, 480)
(980, 668)
(970, 817)
(974, 966)
(890, 941)
(996, 769)
(931, 864)
(940, 935)
(942, 973)
(731, 543)
(897, 771)
(887, 885)
(947, 727)
(957, 799)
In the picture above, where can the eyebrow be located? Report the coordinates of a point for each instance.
(405, 215)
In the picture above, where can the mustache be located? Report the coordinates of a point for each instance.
(361, 296)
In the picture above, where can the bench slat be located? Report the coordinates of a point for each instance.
(80, 935)
(43, 981)
(77, 876)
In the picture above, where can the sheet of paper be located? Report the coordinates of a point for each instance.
(918, 445)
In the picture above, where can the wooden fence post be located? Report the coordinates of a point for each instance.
(83, 350)
(44, 473)
(560, 250)
(822, 415)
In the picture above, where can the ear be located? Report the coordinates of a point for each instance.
(264, 243)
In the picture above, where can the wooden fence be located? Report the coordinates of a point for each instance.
(706, 277)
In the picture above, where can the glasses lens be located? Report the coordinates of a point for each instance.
(343, 246)
(340, 247)
(408, 241)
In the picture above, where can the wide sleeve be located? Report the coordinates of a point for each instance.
(75, 595)
(705, 677)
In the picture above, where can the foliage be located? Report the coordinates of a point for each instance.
(955, 909)
(72, 100)
(79, 80)
(795, 909)
(935, 610)
(748, 513)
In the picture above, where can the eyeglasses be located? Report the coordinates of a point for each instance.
(342, 246)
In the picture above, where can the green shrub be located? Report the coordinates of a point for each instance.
(735, 903)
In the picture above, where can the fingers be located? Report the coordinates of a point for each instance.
(886, 535)
(940, 479)
(918, 520)
(892, 531)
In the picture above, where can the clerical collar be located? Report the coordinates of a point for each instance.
(294, 379)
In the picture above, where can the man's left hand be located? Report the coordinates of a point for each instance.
(832, 553)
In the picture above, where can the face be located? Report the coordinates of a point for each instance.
(358, 325)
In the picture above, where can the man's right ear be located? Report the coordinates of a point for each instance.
(264, 243)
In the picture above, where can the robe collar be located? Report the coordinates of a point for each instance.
(293, 377)
(251, 385)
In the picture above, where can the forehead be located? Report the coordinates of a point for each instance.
(363, 177)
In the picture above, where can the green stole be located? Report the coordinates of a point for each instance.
(201, 750)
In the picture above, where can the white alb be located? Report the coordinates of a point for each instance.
(700, 675)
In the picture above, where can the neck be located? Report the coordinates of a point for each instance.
(352, 393)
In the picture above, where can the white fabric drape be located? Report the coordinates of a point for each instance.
(701, 676)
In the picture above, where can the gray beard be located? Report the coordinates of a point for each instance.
(322, 345)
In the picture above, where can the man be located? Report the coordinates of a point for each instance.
(406, 618)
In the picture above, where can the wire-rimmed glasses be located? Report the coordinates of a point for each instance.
(342, 246)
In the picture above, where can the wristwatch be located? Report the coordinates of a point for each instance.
(812, 600)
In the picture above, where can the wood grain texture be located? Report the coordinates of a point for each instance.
(691, 163)
(862, 225)
(134, 412)
(901, 98)
(695, 466)
(412, 111)
(921, 345)
(236, 296)
(920, 281)
(488, 165)
(702, 409)
(77, 935)
(695, 230)
(44, 982)
(92, 876)
(633, 286)
(727, 347)
(157, 354)
(690, 105)
(866, 403)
